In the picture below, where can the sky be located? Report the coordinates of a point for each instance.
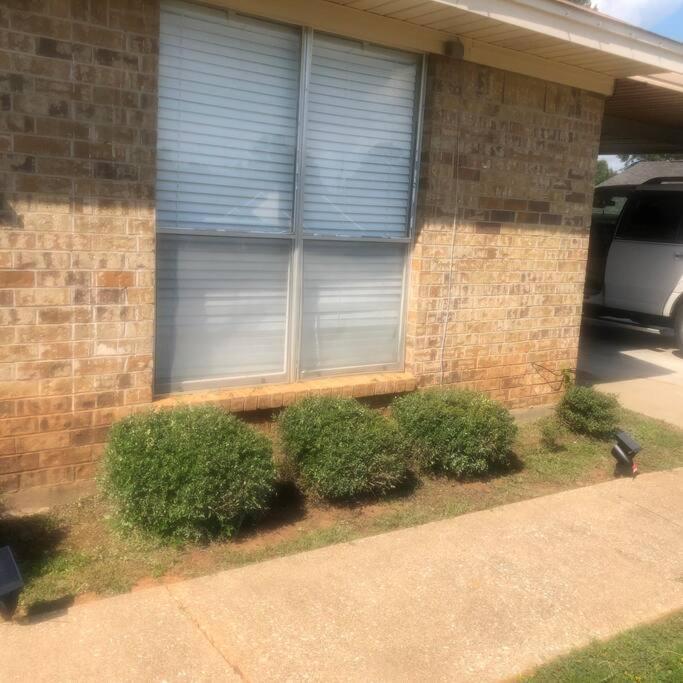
(661, 16)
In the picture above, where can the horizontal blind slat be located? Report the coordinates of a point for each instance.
(221, 307)
(359, 136)
(228, 101)
(351, 305)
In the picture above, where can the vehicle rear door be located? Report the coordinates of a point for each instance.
(645, 261)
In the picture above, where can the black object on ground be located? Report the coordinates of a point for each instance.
(624, 452)
(11, 582)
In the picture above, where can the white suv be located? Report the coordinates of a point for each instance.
(640, 232)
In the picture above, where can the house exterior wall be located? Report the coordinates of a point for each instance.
(496, 274)
(498, 267)
(77, 128)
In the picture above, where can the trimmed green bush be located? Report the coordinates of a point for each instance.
(586, 411)
(340, 449)
(456, 432)
(188, 473)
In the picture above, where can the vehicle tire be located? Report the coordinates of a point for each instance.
(678, 326)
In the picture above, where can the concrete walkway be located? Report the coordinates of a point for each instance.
(482, 597)
(642, 367)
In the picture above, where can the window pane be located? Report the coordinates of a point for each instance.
(359, 142)
(351, 305)
(228, 99)
(221, 307)
(652, 217)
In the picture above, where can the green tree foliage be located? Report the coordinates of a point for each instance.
(603, 171)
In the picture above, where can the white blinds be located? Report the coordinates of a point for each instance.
(234, 304)
(359, 139)
(228, 98)
(351, 305)
(221, 308)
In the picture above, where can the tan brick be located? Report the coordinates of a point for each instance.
(49, 477)
(115, 278)
(18, 425)
(9, 483)
(18, 463)
(64, 456)
(41, 442)
(12, 278)
(35, 144)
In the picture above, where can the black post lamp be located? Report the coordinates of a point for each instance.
(624, 451)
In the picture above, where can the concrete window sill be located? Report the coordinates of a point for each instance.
(263, 397)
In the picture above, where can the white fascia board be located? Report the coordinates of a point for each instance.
(579, 26)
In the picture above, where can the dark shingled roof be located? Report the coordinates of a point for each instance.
(642, 171)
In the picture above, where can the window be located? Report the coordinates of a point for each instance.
(286, 174)
(608, 205)
(652, 217)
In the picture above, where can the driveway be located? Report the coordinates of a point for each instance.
(481, 597)
(642, 367)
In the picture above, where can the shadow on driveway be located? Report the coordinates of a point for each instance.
(642, 366)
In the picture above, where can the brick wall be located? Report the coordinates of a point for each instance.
(504, 208)
(498, 265)
(77, 141)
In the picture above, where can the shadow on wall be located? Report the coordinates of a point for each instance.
(9, 218)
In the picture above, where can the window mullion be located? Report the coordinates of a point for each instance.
(296, 276)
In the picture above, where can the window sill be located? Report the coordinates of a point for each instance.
(268, 396)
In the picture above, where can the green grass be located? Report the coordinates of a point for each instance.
(81, 550)
(647, 654)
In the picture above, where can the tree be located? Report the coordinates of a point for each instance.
(584, 3)
(603, 171)
(630, 159)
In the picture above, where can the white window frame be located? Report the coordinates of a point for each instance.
(298, 238)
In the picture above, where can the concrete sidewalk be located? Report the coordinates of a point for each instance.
(482, 597)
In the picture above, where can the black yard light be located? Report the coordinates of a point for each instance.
(624, 452)
(11, 582)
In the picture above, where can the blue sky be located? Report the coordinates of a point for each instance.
(671, 26)
(661, 16)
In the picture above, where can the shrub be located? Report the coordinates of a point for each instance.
(457, 432)
(188, 473)
(340, 449)
(553, 433)
(589, 412)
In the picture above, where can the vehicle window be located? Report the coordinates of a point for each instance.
(608, 207)
(652, 217)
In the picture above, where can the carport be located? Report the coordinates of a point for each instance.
(644, 116)
(640, 364)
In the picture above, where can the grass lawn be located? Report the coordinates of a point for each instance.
(77, 552)
(647, 654)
